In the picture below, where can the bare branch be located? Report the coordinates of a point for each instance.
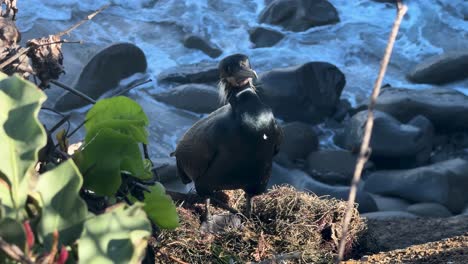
(14, 57)
(73, 91)
(87, 18)
(14, 252)
(365, 150)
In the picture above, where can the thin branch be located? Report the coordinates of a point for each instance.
(133, 86)
(365, 150)
(87, 18)
(73, 91)
(14, 57)
(63, 41)
(14, 252)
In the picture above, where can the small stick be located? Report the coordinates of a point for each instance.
(63, 41)
(14, 57)
(73, 91)
(87, 18)
(133, 86)
(365, 151)
(14, 252)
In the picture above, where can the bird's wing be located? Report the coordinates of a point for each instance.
(198, 147)
(279, 138)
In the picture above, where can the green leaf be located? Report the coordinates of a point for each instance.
(13, 232)
(160, 208)
(119, 236)
(103, 158)
(21, 137)
(119, 113)
(63, 209)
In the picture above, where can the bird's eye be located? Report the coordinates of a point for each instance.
(265, 137)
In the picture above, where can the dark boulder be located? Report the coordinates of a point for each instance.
(299, 140)
(333, 166)
(441, 69)
(445, 183)
(199, 98)
(103, 73)
(446, 108)
(393, 144)
(299, 15)
(263, 37)
(196, 42)
(309, 92)
(202, 72)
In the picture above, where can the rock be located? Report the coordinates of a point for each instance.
(445, 183)
(199, 98)
(385, 203)
(299, 140)
(446, 108)
(263, 37)
(202, 72)
(441, 69)
(429, 210)
(196, 42)
(465, 212)
(309, 92)
(388, 215)
(103, 73)
(166, 174)
(343, 109)
(299, 15)
(394, 145)
(333, 166)
(302, 181)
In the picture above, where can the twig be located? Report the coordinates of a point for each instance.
(279, 258)
(73, 91)
(14, 252)
(365, 150)
(14, 57)
(133, 86)
(87, 18)
(63, 41)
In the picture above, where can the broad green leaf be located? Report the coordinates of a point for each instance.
(118, 236)
(21, 137)
(119, 113)
(13, 232)
(160, 208)
(103, 158)
(63, 209)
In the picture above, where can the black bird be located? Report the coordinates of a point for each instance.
(233, 147)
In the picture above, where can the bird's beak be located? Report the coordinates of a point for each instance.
(245, 73)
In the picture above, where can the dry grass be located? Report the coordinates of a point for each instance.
(284, 222)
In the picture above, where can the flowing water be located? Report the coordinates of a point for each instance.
(355, 44)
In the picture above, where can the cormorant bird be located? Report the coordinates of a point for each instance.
(233, 147)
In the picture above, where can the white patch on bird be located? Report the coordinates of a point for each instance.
(258, 121)
(265, 137)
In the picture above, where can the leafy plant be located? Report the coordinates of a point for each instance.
(43, 218)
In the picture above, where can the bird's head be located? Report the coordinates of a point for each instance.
(235, 74)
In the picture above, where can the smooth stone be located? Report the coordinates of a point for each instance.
(199, 98)
(445, 183)
(429, 210)
(385, 203)
(202, 72)
(299, 140)
(197, 42)
(263, 37)
(388, 215)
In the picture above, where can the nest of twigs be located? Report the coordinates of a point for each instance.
(286, 225)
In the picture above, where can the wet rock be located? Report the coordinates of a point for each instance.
(441, 69)
(393, 144)
(263, 37)
(333, 166)
(196, 42)
(299, 140)
(165, 169)
(446, 108)
(429, 210)
(202, 72)
(445, 183)
(103, 73)
(388, 215)
(299, 15)
(309, 92)
(385, 203)
(302, 181)
(199, 98)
